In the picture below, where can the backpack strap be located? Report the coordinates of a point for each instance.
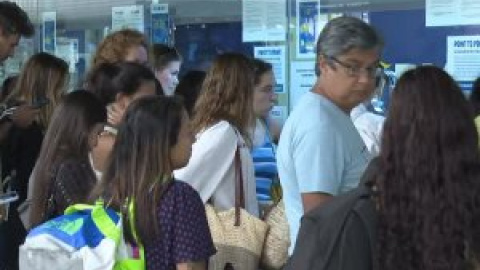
(138, 252)
(77, 207)
(141, 250)
(100, 217)
(112, 229)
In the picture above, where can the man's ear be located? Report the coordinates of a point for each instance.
(3, 33)
(321, 64)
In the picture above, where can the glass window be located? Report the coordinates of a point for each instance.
(283, 32)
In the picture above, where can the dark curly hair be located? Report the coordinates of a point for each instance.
(428, 175)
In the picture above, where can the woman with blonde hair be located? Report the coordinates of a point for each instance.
(40, 85)
(222, 117)
(126, 45)
(42, 82)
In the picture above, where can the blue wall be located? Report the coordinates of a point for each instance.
(409, 41)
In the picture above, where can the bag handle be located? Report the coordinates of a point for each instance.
(239, 192)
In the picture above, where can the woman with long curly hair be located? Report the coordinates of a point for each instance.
(428, 175)
(223, 115)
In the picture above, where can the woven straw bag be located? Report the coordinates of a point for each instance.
(238, 236)
(240, 246)
(275, 249)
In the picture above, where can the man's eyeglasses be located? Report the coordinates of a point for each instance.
(354, 71)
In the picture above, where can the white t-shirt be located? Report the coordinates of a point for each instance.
(319, 151)
(370, 127)
(211, 169)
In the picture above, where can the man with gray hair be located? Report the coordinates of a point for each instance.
(320, 153)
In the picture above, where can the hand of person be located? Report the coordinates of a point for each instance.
(24, 115)
(115, 114)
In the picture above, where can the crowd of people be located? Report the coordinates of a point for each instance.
(134, 133)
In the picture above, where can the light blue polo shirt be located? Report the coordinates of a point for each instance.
(320, 150)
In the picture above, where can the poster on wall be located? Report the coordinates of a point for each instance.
(264, 20)
(49, 25)
(274, 55)
(302, 79)
(128, 17)
(160, 24)
(463, 57)
(309, 24)
(452, 12)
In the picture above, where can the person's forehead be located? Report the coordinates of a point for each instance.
(361, 55)
(173, 65)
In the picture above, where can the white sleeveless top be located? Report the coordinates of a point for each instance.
(211, 169)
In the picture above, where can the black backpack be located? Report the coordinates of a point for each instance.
(340, 234)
